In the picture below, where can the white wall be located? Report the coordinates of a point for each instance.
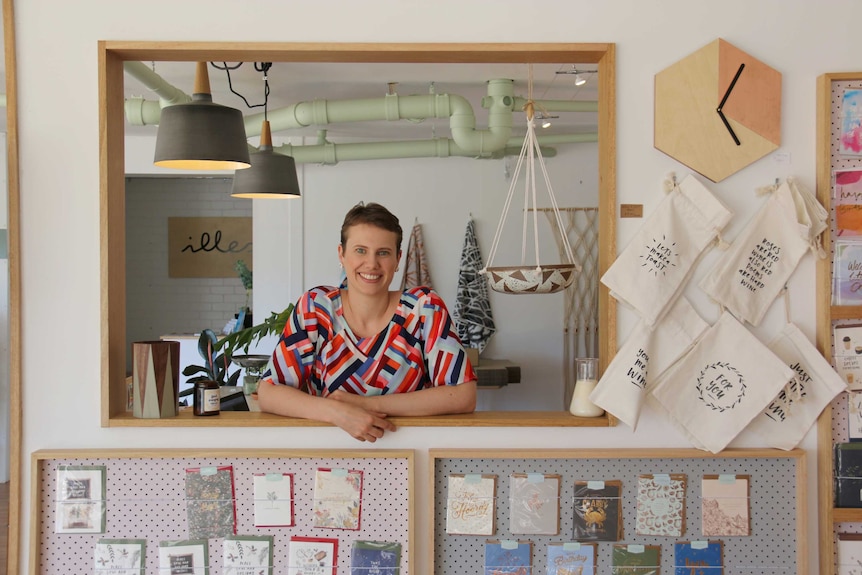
(60, 203)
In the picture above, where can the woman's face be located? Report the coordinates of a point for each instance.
(370, 258)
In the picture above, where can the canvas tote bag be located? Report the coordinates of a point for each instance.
(752, 272)
(787, 419)
(647, 352)
(654, 267)
(713, 392)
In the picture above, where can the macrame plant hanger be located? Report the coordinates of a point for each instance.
(527, 279)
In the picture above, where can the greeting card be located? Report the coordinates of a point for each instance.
(470, 504)
(184, 557)
(210, 505)
(849, 551)
(851, 123)
(697, 558)
(508, 557)
(725, 505)
(120, 556)
(572, 558)
(273, 499)
(847, 341)
(854, 416)
(847, 272)
(80, 499)
(636, 560)
(312, 556)
(534, 503)
(337, 498)
(598, 511)
(847, 201)
(375, 558)
(247, 555)
(661, 505)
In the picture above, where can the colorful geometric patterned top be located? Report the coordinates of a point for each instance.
(318, 353)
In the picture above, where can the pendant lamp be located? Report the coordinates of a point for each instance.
(271, 175)
(201, 135)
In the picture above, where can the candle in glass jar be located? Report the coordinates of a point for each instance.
(587, 378)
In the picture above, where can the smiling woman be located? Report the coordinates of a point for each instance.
(114, 54)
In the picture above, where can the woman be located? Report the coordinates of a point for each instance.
(348, 355)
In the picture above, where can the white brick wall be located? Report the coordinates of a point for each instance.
(155, 303)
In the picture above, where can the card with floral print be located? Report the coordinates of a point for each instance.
(210, 504)
(661, 504)
(273, 499)
(120, 556)
(337, 498)
(534, 503)
(247, 554)
(725, 506)
(470, 504)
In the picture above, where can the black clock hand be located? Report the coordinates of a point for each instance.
(727, 125)
(724, 99)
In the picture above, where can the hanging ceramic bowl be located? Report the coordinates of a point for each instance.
(531, 279)
(535, 278)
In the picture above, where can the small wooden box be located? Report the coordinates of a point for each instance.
(472, 355)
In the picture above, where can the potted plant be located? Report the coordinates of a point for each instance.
(242, 339)
(215, 364)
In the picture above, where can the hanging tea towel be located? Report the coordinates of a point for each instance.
(646, 353)
(714, 391)
(788, 418)
(416, 272)
(753, 271)
(473, 318)
(653, 268)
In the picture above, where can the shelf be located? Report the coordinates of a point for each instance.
(846, 312)
(846, 514)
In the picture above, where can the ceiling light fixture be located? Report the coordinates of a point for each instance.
(271, 175)
(545, 118)
(580, 78)
(201, 135)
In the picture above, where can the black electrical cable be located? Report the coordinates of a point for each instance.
(258, 66)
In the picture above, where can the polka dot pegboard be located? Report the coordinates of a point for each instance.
(771, 548)
(145, 499)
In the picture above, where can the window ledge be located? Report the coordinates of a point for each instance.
(186, 418)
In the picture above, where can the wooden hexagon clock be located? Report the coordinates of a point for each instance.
(718, 110)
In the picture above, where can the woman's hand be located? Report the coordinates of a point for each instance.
(362, 424)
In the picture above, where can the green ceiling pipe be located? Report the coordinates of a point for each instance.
(330, 154)
(167, 93)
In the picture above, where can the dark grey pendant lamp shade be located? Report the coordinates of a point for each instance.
(201, 135)
(271, 175)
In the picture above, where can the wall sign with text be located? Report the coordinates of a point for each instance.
(208, 247)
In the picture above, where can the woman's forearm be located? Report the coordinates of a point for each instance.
(359, 421)
(443, 400)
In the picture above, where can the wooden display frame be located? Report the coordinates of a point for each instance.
(829, 516)
(134, 459)
(796, 457)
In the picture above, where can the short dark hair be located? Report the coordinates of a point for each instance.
(375, 215)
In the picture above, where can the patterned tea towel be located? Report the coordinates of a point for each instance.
(473, 317)
(416, 272)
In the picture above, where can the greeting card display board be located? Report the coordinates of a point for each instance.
(777, 487)
(145, 499)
